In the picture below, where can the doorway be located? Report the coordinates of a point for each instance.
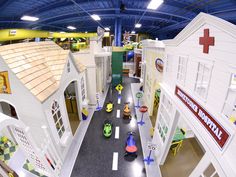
(72, 107)
(155, 107)
(10, 111)
(184, 154)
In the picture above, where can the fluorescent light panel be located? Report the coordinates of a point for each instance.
(107, 29)
(29, 18)
(154, 4)
(138, 25)
(71, 27)
(95, 17)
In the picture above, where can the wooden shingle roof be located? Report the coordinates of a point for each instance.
(38, 65)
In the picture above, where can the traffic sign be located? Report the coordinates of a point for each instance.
(119, 87)
(152, 146)
(139, 95)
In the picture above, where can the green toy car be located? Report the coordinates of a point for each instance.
(109, 107)
(107, 128)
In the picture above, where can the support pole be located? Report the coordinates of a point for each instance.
(118, 31)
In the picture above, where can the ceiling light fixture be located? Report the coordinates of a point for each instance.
(95, 17)
(138, 25)
(107, 29)
(29, 18)
(71, 27)
(154, 4)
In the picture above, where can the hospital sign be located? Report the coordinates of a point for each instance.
(217, 132)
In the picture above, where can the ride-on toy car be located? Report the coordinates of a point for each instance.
(107, 128)
(109, 107)
(131, 148)
(126, 111)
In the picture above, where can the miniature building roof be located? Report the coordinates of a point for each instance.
(85, 59)
(197, 22)
(38, 65)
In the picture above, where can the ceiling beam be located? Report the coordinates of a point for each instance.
(109, 16)
(5, 3)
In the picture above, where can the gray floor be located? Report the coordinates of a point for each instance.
(96, 153)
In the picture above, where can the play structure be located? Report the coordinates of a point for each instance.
(153, 56)
(137, 62)
(117, 65)
(188, 94)
(45, 75)
(97, 61)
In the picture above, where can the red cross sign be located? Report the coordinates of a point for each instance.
(206, 41)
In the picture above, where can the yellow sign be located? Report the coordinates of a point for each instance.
(4, 83)
(119, 87)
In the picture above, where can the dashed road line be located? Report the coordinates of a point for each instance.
(118, 113)
(117, 133)
(115, 161)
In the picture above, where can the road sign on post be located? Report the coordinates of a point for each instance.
(138, 95)
(142, 109)
(98, 108)
(151, 147)
(119, 87)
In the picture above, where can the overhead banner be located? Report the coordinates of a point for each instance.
(217, 132)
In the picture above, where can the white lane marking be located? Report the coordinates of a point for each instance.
(117, 133)
(118, 113)
(115, 161)
(119, 100)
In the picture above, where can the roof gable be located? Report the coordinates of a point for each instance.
(199, 21)
(38, 65)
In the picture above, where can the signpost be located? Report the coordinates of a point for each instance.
(98, 108)
(151, 147)
(142, 109)
(119, 88)
(138, 95)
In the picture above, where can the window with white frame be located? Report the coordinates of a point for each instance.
(182, 68)
(229, 109)
(164, 117)
(57, 117)
(203, 79)
(83, 89)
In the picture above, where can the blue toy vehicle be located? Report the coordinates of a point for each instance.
(131, 148)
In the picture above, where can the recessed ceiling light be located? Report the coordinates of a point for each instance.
(95, 17)
(154, 4)
(133, 32)
(29, 18)
(71, 27)
(107, 29)
(138, 25)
